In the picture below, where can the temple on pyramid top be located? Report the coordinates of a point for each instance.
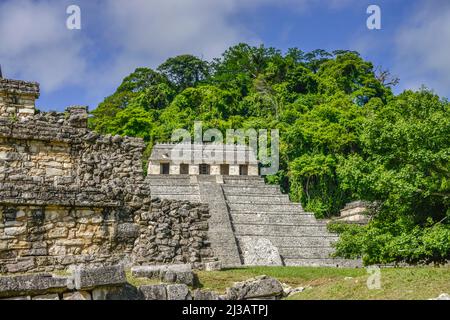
(203, 159)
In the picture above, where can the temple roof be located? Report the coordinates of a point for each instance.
(203, 153)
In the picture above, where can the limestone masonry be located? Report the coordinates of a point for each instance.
(111, 283)
(71, 197)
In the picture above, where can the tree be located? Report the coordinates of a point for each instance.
(405, 158)
(350, 74)
(344, 136)
(141, 79)
(241, 64)
(185, 71)
(314, 143)
(132, 86)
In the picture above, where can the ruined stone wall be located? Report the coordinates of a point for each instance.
(43, 239)
(50, 156)
(70, 196)
(17, 98)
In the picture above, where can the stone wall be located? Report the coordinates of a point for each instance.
(50, 156)
(356, 212)
(17, 98)
(42, 239)
(70, 196)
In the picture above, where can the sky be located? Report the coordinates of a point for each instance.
(82, 67)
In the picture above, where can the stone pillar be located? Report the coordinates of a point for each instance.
(174, 169)
(194, 169)
(17, 98)
(234, 170)
(215, 170)
(154, 168)
(253, 170)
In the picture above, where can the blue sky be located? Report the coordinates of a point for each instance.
(81, 67)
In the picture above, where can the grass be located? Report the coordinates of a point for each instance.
(341, 283)
(413, 283)
(293, 276)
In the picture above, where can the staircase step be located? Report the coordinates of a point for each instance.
(175, 189)
(231, 189)
(173, 183)
(166, 179)
(280, 230)
(280, 208)
(249, 181)
(257, 199)
(294, 241)
(275, 218)
(252, 209)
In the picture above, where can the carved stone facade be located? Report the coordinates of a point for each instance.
(203, 159)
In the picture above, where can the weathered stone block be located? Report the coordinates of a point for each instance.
(146, 271)
(60, 232)
(127, 231)
(154, 292)
(15, 231)
(213, 266)
(181, 273)
(178, 292)
(33, 284)
(260, 252)
(185, 277)
(89, 278)
(92, 190)
(205, 295)
(22, 265)
(259, 287)
(124, 292)
(53, 172)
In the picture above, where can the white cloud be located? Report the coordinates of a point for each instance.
(121, 35)
(148, 32)
(423, 48)
(36, 45)
(118, 36)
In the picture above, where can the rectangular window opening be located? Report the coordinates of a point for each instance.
(184, 169)
(165, 168)
(204, 169)
(243, 170)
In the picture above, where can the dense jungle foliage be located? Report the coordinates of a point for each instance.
(344, 136)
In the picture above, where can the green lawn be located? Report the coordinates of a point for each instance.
(337, 283)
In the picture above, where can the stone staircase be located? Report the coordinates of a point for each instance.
(258, 210)
(244, 208)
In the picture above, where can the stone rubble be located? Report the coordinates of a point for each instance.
(89, 278)
(258, 287)
(110, 283)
